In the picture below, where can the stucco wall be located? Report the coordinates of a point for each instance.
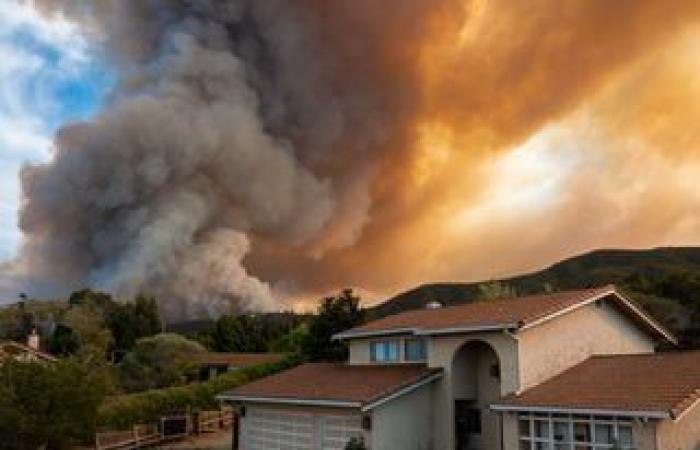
(441, 352)
(550, 348)
(681, 434)
(404, 423)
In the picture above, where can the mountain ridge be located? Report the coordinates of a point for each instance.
(665, 280)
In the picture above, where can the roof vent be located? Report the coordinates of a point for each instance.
(434, 305)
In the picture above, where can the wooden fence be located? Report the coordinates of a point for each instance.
(168, 428)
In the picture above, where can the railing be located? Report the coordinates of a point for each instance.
(141, 435)
(207, 421)
(168, 428)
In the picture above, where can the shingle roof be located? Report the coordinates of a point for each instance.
(666, 383)
(240, 359)
(504, 313)
(318, 383)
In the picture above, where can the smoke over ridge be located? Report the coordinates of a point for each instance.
(253, 149)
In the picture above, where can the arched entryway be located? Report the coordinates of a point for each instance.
(476, 383)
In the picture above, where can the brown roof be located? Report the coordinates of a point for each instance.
(11, 348)
(240, 359)
(503, 313)
(346, 385)
(666, 383)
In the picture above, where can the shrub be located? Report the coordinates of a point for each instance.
(356, 444)
(160, 361)
(121, 412)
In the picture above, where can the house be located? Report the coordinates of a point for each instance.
(570, 370)
(216, 363)
(29, 352)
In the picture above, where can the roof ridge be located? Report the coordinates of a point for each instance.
(476, 301)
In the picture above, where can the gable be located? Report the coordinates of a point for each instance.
(557, 344)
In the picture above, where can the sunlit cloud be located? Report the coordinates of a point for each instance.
(48, 75)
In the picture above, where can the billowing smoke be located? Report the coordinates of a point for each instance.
(254, 149)
(232, 121)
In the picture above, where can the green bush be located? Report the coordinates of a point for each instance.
(121, 412)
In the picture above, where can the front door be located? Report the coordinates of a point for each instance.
(467, 425)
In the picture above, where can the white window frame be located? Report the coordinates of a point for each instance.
(571, 419)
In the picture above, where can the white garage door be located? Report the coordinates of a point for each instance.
(337, 431)
(278, 430)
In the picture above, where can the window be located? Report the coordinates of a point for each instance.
(567, 432)
(415, 350)
(384, 351)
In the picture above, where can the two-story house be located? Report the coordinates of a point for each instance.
(564, 371)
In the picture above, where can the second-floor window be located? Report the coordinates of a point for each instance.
(384, 351)
(415, 350)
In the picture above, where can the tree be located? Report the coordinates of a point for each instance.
(239, 334)
(335, 314)
(48, 405)
(126, 322)
(64, 341)
(160, 361)
(291, 342)
(131, 321)
(493, 290)
(88, 327)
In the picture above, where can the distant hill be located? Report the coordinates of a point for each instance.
(665, 280)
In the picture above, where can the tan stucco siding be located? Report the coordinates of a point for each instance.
(681, 434)
(358, 351)
(404, 423)
(554, 346)
(441, 352)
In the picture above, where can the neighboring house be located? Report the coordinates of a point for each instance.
(564, 371)
(213, 364)
(21, 352)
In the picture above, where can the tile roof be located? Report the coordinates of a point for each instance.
(666, 383)
(240, 359)
(319, 383)
(503, 313)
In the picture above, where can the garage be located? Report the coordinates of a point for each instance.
(321, 406)
(275, 429)
(272, 429)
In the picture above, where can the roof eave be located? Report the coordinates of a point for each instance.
(417, 331)
(289, 401)
(653, 414)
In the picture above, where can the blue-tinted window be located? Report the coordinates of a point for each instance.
(382, 351)
(416, 350)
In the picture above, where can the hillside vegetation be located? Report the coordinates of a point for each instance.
(666, 281)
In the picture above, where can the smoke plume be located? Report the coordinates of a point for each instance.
(254, 150)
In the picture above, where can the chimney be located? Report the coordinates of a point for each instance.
(33, 340)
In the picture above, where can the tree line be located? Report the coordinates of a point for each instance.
(108, 347)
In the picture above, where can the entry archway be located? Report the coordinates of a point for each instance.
(476, 384)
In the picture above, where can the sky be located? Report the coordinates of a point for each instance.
(363, 146)
(48, 76)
